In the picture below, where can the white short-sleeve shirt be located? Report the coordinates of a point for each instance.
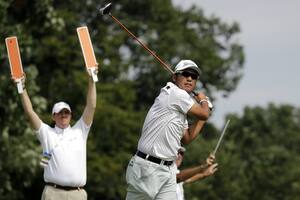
(165, 123)
(67, 147)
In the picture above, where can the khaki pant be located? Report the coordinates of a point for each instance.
(52, 193)
(150, 181)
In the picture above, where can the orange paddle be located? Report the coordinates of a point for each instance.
(87, 51)
(15, 62)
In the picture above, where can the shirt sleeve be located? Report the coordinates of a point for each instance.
(80, 124)
(181, 101)
(41, 131)
(42, 136)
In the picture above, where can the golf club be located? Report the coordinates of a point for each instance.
(221, 137)
(106, 11)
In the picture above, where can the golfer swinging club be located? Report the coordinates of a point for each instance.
(64, 147)
(151, 172)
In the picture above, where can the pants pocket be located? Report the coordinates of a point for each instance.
(139, 170)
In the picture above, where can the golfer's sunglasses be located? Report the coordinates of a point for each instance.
(188, 74)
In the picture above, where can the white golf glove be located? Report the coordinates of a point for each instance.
(210, 105)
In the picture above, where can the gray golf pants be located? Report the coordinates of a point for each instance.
(150, 181)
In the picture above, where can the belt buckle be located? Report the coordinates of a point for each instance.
(147, 156)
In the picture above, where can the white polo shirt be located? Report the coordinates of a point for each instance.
(165, 123)
(67, 165)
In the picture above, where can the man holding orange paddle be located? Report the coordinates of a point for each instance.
(64, 146)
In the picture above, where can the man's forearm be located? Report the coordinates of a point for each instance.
(91, 98)
(195, 178)
(208, 170)
(91, 95)
(193, 131)
(34, 120)
(188, 173)
(26, 103)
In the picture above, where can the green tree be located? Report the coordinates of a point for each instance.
(19, 149)
(258, 158)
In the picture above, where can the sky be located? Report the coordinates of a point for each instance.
(270, 34)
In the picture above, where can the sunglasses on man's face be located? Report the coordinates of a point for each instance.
(188, 74)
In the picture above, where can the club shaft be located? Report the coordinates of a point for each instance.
(221, 137)
(167, 67)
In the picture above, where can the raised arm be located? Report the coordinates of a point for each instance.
(201, 111)
(34, 119)
(89, 110)
(210, 170)
(192, 132)
(188, 173)
(199, 172)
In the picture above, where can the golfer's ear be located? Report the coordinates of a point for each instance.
(174, 77)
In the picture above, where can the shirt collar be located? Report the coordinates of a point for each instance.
(173, 85)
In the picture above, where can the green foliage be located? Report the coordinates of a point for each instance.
(19, 149)
(258, 158)
(129, 80)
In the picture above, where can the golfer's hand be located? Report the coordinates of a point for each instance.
(200, 96)
(210, 105)
(210, 160)
(210, 170)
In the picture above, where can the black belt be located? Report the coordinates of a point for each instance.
(153, 159)
(64, 187)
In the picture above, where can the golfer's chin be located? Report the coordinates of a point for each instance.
(63, 125)
(188, 89)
